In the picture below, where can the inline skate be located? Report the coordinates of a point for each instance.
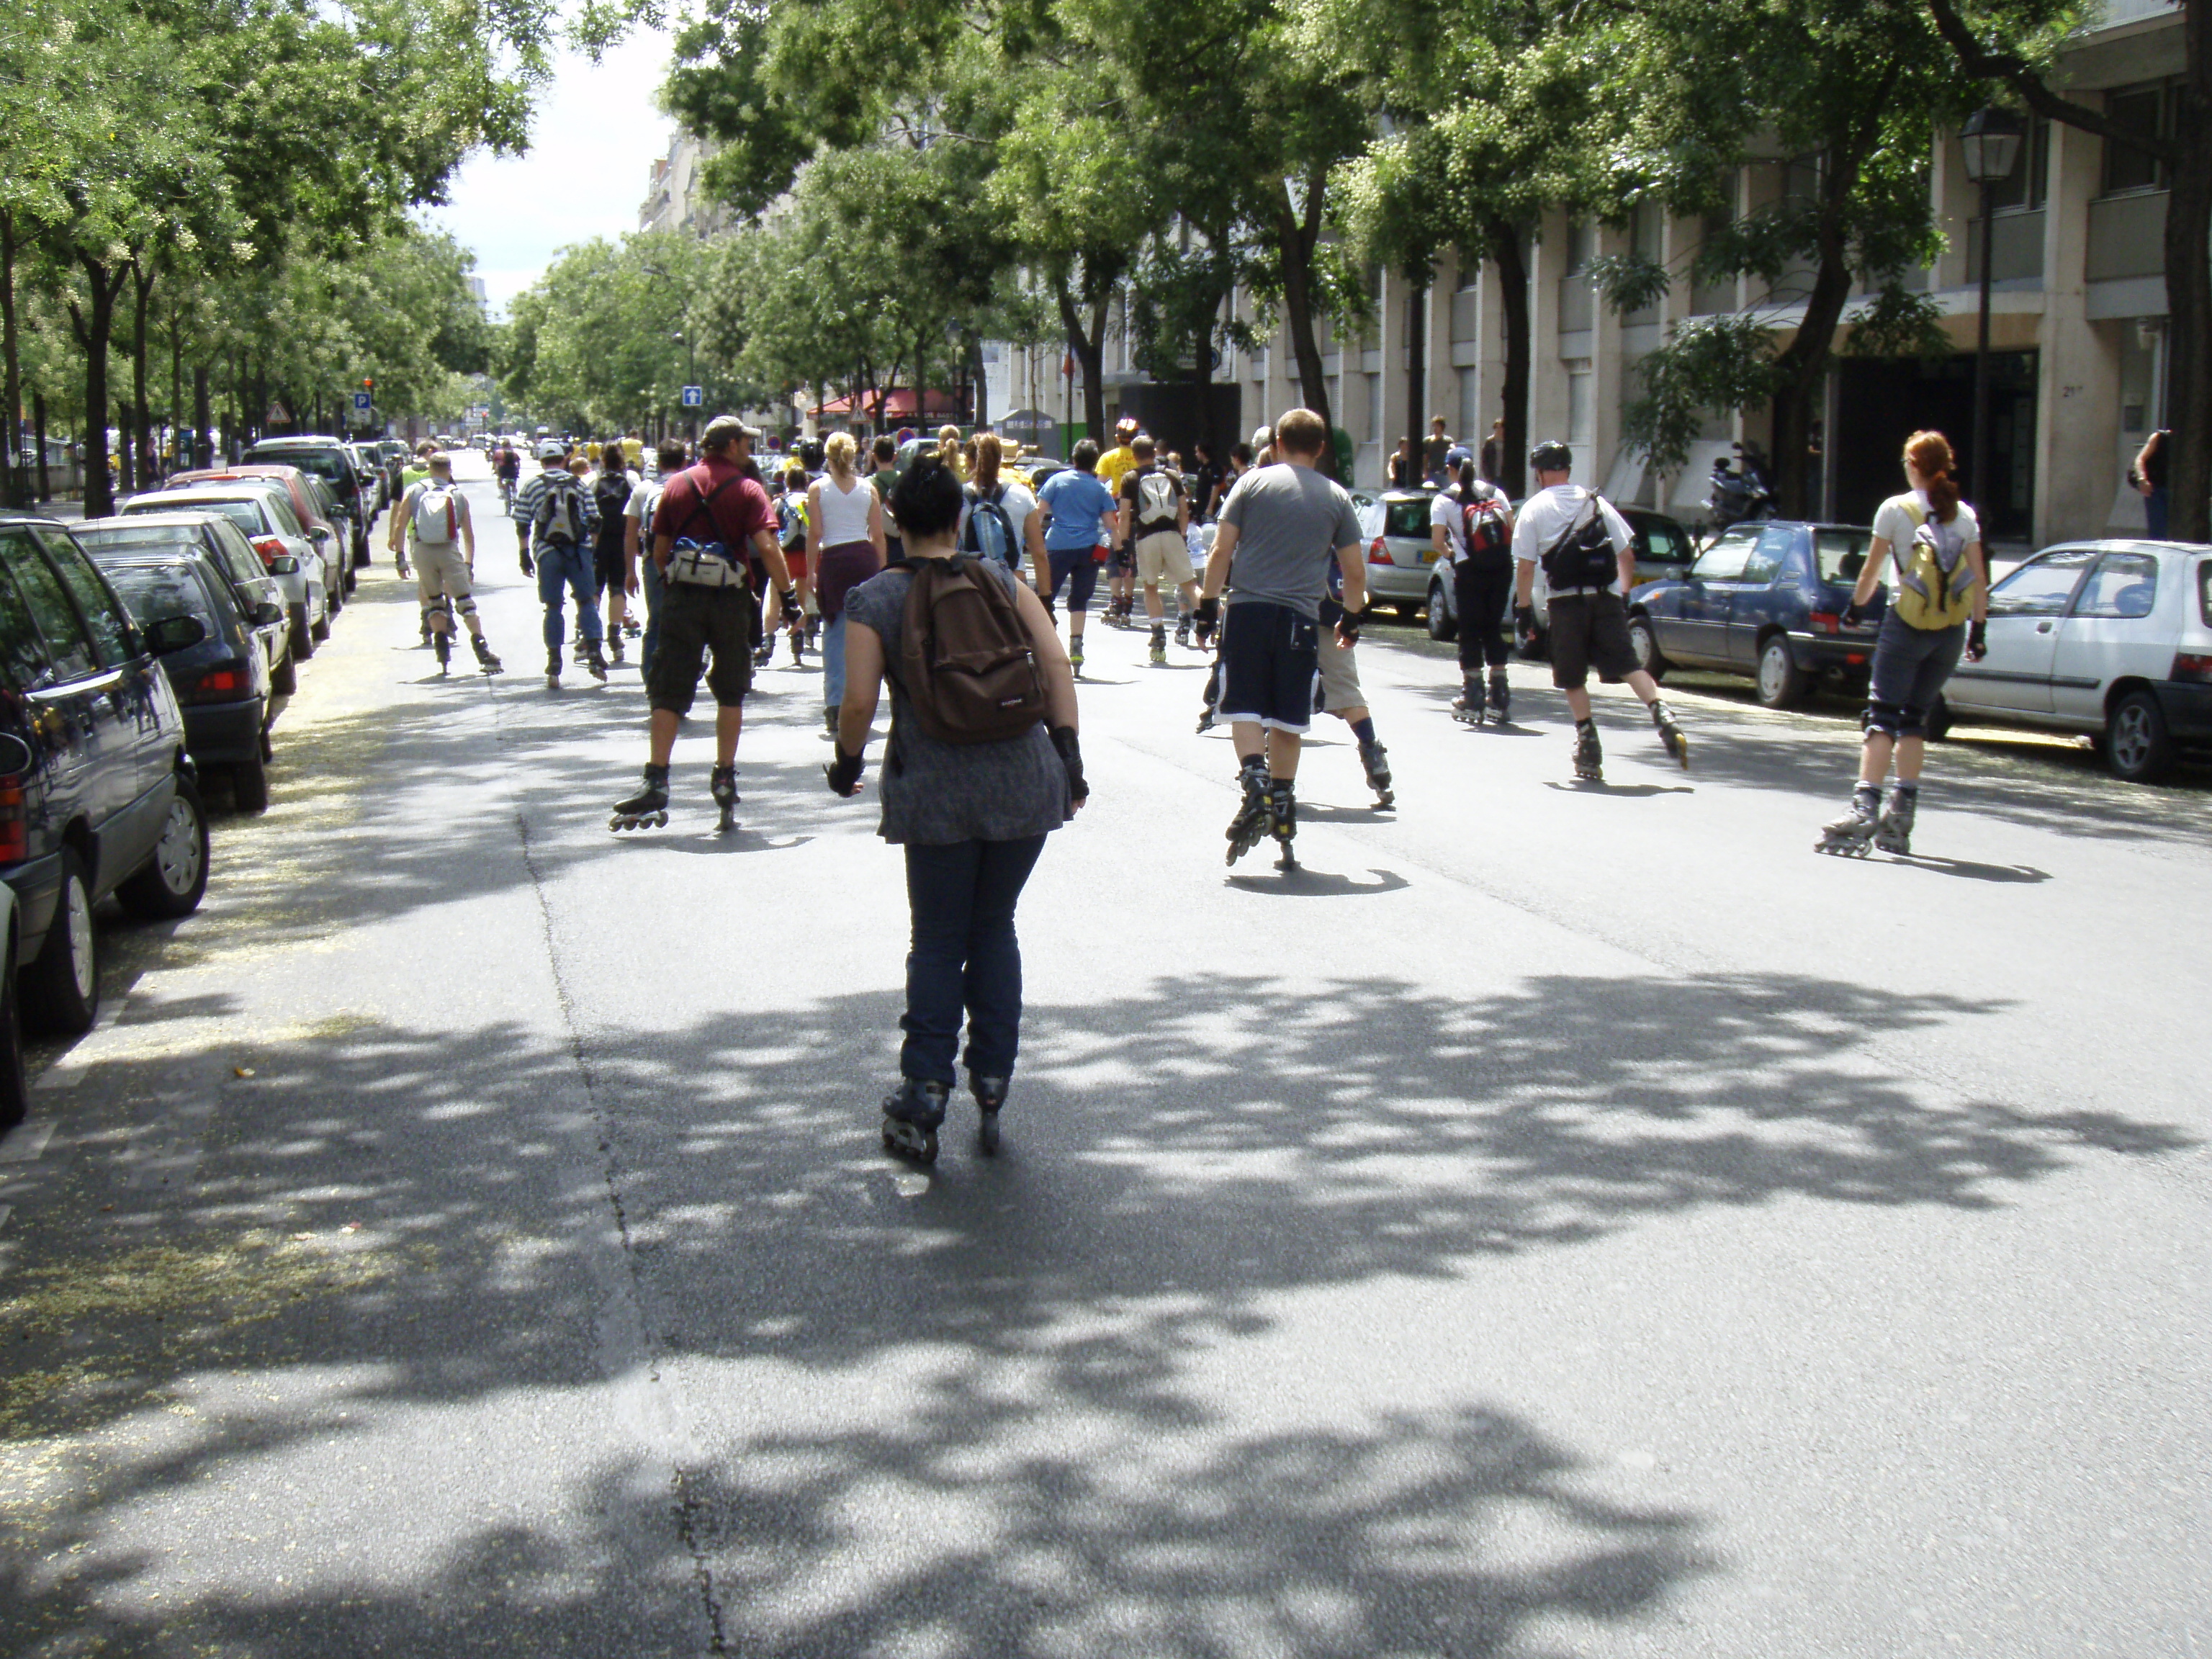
(1283, 821)
(1183, 628)
(910, 1119)
(648, 806)
(438, 627)
(1501, 697)
(1590, 754)
(553, 670)
(1160, 646)
(1670, 734)
(1250, 823)
(1852, 835)
(990, 1094)
(1075, 652)
(485, 661)
(1893, 831)
(595, 660)
(722, 784)
(1376, 759)
(1469, 708)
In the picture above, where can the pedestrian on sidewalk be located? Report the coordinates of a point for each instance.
(708, 518)
(1590, 564)
(1279, 529)
(1405, 468)
(1471, 527)
(1938, 610)
(844, 546)
(553, 515)
(611, 494)
(434, 515)
(1436, 453)
(642, 575)
(1078, 514)
(972, 815)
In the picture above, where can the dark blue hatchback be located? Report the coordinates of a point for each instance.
(1766, 600)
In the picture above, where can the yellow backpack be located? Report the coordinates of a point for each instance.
(1935, 578)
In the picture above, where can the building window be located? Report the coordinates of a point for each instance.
(2148, 110)
(1374, 408)
(1581, 407)
(2029, 187)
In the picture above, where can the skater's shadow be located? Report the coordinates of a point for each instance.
(1628, 791)
(1506, 729)
(1303, 883)
(1972, 872)
(712, 842)
(1310, 813)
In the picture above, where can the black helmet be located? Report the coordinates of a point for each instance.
(1551, 456)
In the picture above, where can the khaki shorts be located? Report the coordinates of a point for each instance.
(440, 567)
(1163, 560)
(1339, 675)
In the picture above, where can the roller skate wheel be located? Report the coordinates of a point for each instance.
(907, 1141)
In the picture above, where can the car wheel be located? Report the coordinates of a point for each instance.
(2136, 745)
(1645, 642)
(1781, 682)
(61, 989)
(351, 581)
(303, 642)
(249, 786)
(1442, 624)
(14, 1090)
(284, 678)
(174, 878)
(320, 630)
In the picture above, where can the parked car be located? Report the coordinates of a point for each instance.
(312, 504)
(334, 462)
(14, 1088)
(1664, 548)
(222, 682)
(1766, 599)
(370, 469)
(2110, 638)
(257, 506)
(204, 533)
(1398, 555)
(97, 792)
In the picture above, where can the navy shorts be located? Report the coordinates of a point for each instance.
(1910, 667)
(1270, 655)
(1077, 567)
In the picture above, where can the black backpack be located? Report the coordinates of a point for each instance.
(1584, 557)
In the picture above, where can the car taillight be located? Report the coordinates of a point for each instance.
(1824, 622)
(1379, 554)
(2193, 666)
(216, 685)
(270, 548)
(14, 825)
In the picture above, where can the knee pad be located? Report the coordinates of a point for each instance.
(1893, 719)
(466, 607)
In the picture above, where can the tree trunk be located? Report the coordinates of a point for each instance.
(126, 452)
(39, 437)
(1294, 245)
(141, 437)
(2189, 324)
(11, 367)
(1417, 378)
(94, 333)
(203, 437)
(177, 451)
(1805, 368)
(1509, 254)
(1089, 349)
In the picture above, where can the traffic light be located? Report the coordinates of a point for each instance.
(367, 385)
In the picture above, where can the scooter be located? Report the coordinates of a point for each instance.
(1739, 492)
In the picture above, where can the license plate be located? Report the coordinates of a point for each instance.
(1430, 556)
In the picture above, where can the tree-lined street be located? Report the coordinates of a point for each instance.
(1556, 1221)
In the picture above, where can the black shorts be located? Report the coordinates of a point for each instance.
(1589, 630)
(1270, 655)
(695, 621)
(607, 566)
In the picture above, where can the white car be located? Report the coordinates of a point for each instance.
(260, 508)
(2110, 638)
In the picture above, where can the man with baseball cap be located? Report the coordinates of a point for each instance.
(553, 513)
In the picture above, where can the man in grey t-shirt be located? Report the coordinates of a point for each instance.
(1279, 528)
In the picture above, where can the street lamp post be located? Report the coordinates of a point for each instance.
(690, 378)
(1990, 141)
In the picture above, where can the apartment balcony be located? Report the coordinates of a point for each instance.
(2018, 246)
(2127, 236)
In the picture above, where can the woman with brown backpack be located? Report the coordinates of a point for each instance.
(983, 764)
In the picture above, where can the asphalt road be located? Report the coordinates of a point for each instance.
(1557, 1222)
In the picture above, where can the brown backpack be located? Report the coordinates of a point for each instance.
(965, 660)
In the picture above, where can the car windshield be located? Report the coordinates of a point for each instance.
(1840, 554)
(245, 514)
(155, 591)
(1724, 560)
(1665, 542)
(1407, 518)
(329, 464)
(151, 539)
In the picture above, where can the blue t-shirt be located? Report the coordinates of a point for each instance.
(1078, 501)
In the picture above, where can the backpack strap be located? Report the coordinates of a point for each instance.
(705, 504)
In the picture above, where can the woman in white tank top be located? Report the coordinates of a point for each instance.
(845, 546)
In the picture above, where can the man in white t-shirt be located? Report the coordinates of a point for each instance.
(1590, 564)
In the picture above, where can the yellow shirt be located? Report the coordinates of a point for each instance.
(635, 449)
(1113, 463)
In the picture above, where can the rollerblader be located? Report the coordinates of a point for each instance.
(707, 517)
(1114, 467)
(553, 513)
(1938, 612)
(1078, 516)
(1279, 528)
(1589, 565)
(1340, 692)
(435, 514)
(642, 575)
(1154, 500)
(1471, 526)
(980, 782)
(611, 493)
(844, 546)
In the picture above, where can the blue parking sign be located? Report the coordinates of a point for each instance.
(360, 401)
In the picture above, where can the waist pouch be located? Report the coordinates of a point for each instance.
(691, 565)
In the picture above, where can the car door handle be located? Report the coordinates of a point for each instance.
(2043, 628)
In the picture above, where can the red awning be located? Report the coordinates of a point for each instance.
(898, 404)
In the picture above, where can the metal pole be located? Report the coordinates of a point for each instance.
(691, 378)
(1978, 469)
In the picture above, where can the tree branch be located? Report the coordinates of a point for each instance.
(2014, 71)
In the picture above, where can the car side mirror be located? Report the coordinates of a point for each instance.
(284, 564)
(170, 634)
(321, 534)
(266, 615)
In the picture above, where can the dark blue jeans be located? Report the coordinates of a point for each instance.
(964, 955)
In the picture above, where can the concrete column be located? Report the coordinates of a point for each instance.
(2078, 377)
(1548, 380)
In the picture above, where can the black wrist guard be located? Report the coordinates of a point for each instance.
(1071, 756)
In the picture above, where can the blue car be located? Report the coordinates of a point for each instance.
(1766, 600)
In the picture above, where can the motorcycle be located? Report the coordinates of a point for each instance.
(1740, 493)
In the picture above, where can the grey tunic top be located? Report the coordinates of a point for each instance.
(935, 793)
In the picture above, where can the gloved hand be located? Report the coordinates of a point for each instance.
(1347, 627)
(788, 598)
(1524, 623)
(844, 773)
(1071, 756)
(528, 568)
(1977, 642)
(1205, 618)
(1855, 615)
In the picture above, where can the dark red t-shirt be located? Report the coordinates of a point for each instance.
(714, 501)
